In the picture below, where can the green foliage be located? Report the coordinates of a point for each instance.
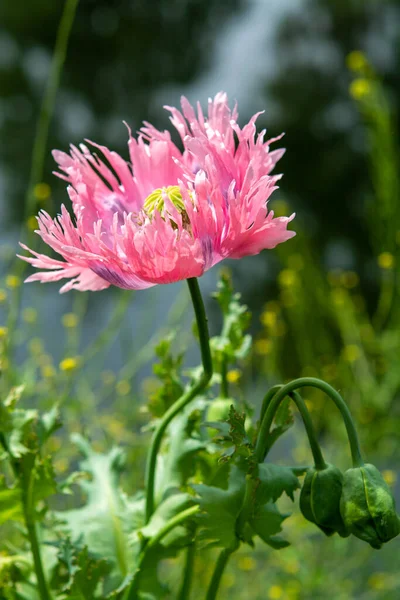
(220, 510)
(265, 520)
(180, 461)
(85, 575)
(104, 521)
(233, 343)
(10, 503)
(283, 420)
(168, 372)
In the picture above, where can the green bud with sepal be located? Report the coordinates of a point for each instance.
(320, 499)
(367, 506)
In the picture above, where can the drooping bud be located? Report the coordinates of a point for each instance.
(320, 499)
(367, 506)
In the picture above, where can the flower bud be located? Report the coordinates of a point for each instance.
(320, 499)
(368, 507)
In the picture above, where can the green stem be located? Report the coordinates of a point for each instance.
(219, 571)
(30, 524)
(132, 592)
(305, 415)
(332, 393)
(267, 400)
(184, 592)
(309, 427)
(47, 108)
(224, 381)
(180, 404)
(37, 559)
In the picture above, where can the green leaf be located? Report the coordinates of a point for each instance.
(168, 371)
(85, 573)
(275, 480)
(48, 423)
(177, 464)
(220, 509)
(233, 343)
(237, 434)
(10, 503)
(283, 421)
(266, 521)
(107, 518)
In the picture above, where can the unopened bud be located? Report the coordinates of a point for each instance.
(367, 506)
(320, 499)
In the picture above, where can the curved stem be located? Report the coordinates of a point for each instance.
(184, 592)
(180, 404)
(131, 593)
(219, 571)
(332, 393)
(267, 399)
(309, 427)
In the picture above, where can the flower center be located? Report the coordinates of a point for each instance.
(156, 200)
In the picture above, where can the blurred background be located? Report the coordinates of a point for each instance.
(326, 72)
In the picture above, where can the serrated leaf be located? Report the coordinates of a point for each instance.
(283, 420)
(107, 518)
(168, 372)
(233, 344)
(177, 464)
(85, 573)
(220, 509)
(237, 434)
(266, 521)
(275, 480)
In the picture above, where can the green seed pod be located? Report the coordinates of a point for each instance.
(219, 409)
(367, 506)
(320, 499)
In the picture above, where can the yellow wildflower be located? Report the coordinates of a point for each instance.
(69, 364)
(268, 318)
(42, 191)
(29, 315)
(70, 320)
(356, 61)
(123, 387)
(32, 223)
(389, 476)
(13, 281)
(360, 88)
(263, 347)
(386, 260)
(287, 278)
(233, 375)
(275, 592)
(351, 353)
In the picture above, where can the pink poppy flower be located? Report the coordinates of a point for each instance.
(167, 215)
